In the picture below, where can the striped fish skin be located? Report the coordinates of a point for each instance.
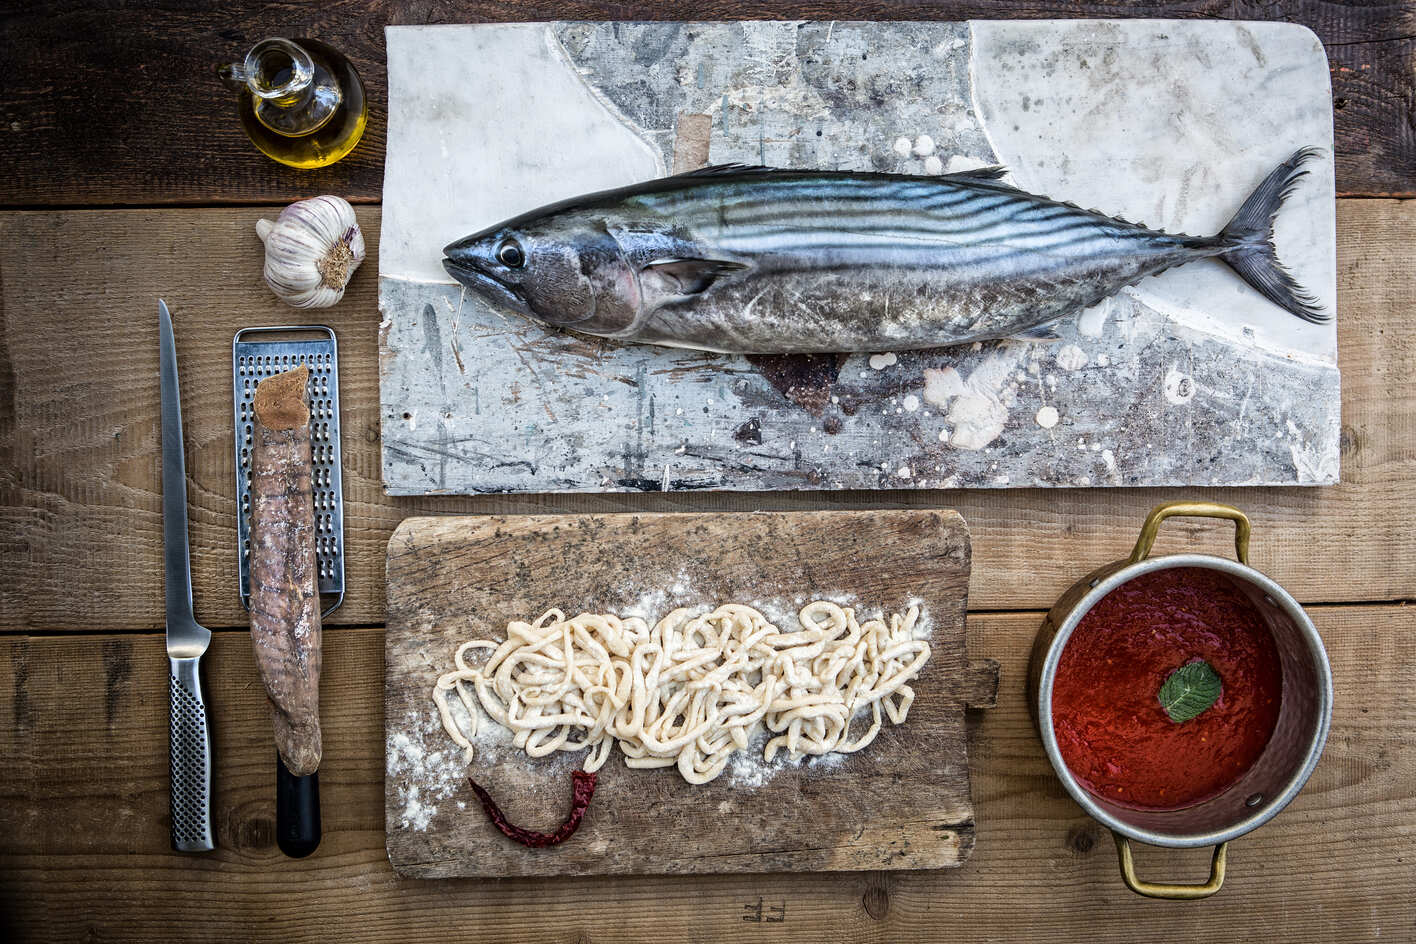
(754, 260)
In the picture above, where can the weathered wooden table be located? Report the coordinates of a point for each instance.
(126, 177)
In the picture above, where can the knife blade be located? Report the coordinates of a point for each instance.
(189, 735)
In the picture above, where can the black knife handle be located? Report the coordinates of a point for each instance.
(297, 811)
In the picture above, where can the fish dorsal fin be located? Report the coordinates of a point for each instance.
(679, 277)
(726, 170)
(987, 176)
(991, 172)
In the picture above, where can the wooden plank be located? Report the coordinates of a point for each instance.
(80, 526)
(102, 107)
(84, 855)
(902, 803)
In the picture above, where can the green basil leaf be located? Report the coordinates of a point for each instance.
(1189, 691)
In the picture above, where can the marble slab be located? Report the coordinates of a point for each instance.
(1188, 378)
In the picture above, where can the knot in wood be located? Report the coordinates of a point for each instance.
(252, 827)
(1081, 839)
(876, 899)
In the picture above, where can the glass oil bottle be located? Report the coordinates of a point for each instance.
(301, 102)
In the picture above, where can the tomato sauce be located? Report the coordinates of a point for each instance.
(1113, 732)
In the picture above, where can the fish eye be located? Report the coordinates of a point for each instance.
(510, 255)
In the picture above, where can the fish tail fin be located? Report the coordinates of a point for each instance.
(1250, 238)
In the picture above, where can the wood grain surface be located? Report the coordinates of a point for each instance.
(116, 105)
(83, 812)
(901, 803)
(112, 104)
(80, 525)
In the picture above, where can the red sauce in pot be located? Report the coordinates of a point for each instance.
(1113, 732)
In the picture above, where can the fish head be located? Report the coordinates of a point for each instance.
(564, 270)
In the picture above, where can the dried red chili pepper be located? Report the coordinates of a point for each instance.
(582, 788)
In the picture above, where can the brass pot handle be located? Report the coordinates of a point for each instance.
(1165, 890)
(1193, 509)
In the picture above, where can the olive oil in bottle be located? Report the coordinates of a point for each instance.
(301, 102)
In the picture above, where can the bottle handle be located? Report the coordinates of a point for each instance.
(233, 75)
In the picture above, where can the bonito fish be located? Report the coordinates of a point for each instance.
(761, 261)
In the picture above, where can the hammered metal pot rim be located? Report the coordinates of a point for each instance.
(1123, 574)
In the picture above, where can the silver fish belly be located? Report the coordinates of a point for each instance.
(888, 265)
(752, 260)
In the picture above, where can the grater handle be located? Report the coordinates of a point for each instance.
(282, 329)
(297, 811)
(189, 753)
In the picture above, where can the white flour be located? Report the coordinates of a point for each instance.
(424, 776)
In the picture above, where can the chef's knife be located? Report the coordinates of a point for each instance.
(189, 738)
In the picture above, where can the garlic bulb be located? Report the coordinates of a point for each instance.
(312, 249)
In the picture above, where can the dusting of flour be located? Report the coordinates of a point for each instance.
(428, 768)
(424, 776)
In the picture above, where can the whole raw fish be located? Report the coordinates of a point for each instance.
(755, 260)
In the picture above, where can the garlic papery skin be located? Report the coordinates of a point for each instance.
(311, 250)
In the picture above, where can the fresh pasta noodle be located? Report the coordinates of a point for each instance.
(690, 691)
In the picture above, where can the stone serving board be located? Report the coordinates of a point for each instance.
(1189, 378)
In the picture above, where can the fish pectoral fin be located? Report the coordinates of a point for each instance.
(1043, 332)
(686, 276)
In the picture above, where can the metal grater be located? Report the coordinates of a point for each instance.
(253, 361)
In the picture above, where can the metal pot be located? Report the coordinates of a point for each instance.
(1286, 762)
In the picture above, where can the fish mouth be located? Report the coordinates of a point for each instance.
(479, 280)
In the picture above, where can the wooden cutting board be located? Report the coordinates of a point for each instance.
(902, 803)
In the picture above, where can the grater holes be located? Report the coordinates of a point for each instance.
(321, 389)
